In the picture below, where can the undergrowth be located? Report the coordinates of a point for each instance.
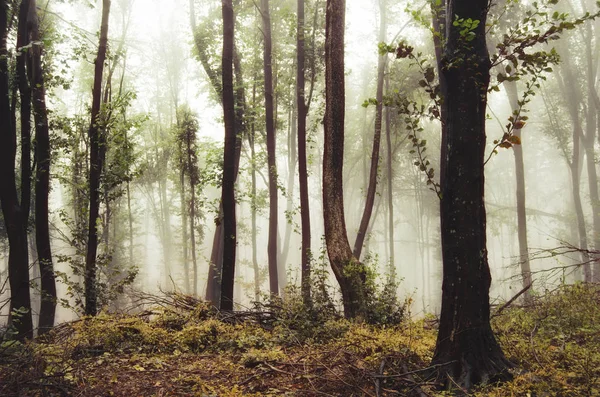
(184, 347)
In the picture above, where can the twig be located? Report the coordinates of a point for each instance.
(416, 371)
(511, 300)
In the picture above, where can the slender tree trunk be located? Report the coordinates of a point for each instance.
(372, 189)
(192, 176)
(184, 235)
(227, 195)
(302, 162)
(23, 59)
(568, 85)
(18, 259)
(96, 164)
(42, 185)
(511, 90)
(253, 201)
(292, 161)
(390, 188)
(213, 286)
(349, 272)
(466, 352)
(271, 160)
(592, 122)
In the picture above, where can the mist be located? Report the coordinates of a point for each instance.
(154, 71)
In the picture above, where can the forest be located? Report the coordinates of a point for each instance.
(299, 197)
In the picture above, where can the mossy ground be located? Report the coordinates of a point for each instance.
(192, 350)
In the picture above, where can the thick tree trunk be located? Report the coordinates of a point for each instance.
(466, 350)
(271, 160)
(96, 164)
(18, 259)
(302, 162)
(372, 188)
(227, 195)
(42, 184)
(511, 90)
(349, 272)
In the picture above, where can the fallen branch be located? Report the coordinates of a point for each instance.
(511, 300)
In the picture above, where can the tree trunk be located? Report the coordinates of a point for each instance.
(23, 59)
(229, 154)
(192, 176)
(18, 259)
(271, 160)
(184, 226)
(302, 162)
(213, 286)
(349, 272)
(253, 201)
(511, 90)
(592, 122)
(96, 164)
(372, 189)
(292, 161)
(466, 352)
(42, 184)
(568, 86)
(390, 188)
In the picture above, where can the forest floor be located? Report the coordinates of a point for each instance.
(181, 347)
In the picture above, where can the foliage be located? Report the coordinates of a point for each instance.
(185, 347)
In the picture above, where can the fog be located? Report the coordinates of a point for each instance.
(158, 64)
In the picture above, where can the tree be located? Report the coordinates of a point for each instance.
(466, 350)
(42, 180)
(272, 164)
(97, 153)
(229, 160)
(511, 91)
(349, 272)
(374, 170)
(302, 163)
(12, 210)
(187, 126)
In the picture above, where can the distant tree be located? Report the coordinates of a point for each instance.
(12, 210)
(97, 153)
(349, 272)
(229, 160)
(187, 156)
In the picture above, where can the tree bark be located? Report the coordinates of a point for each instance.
(302, 162)
(466, 352)
(271, 160)
(18, 258)
(42, 184)
(349, 272)
(374, 170)
(511, 90)
(96, 164)
(23, 59)
(229, 154)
